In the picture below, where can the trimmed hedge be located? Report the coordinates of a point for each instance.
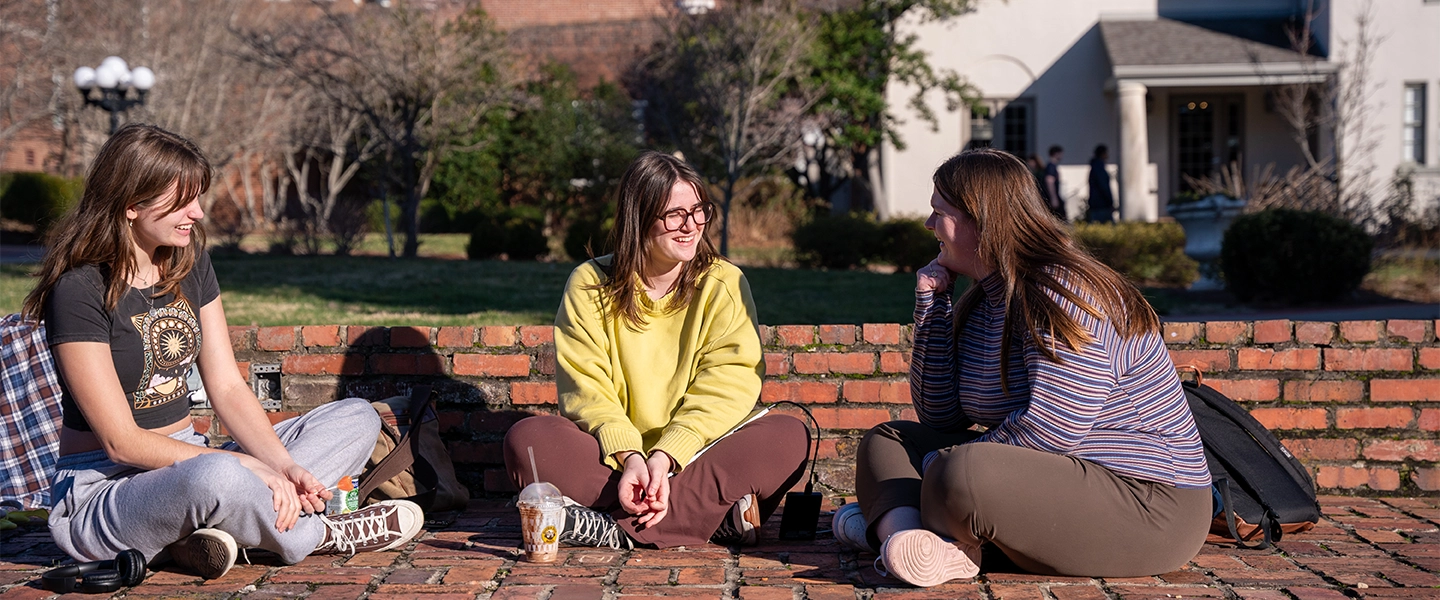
(851, 240)
(39, 199)
(836, 241)
(591, 233)
(907, 244)
(1149, 254)
(1294, 256)
(519, 234)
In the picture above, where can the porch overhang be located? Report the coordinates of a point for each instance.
(1166, 53)
(1218, 75)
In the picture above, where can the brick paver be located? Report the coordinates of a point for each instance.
(1366, 548)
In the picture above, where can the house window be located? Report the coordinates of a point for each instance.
(1413, 128)
(1004, 124)
(29, 157)
(982, 126)
(1015, 127)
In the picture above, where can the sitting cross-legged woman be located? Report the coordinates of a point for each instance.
(659, 355)
(1090, 463)
(131, 308)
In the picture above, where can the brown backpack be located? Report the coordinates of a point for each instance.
(409, 461)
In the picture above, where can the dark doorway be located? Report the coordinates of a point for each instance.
(1208, 134)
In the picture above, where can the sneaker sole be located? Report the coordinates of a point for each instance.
(923, 559)
(208, 555)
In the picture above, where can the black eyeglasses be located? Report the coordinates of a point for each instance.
(675, 219)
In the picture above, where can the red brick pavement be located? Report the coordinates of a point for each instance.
(1367, 547)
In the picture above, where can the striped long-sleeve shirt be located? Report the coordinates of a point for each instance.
(1115, 402)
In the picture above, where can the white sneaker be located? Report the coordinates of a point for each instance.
(206, 552)
(921, 558)
(849, 525)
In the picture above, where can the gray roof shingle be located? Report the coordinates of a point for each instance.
(1168, 42)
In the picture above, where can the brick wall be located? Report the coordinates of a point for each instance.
(1357, 401)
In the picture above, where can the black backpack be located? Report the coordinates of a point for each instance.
(1261, 489)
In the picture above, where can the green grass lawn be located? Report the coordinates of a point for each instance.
(367, 290)
(433, 245)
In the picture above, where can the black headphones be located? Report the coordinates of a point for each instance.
(99, 577)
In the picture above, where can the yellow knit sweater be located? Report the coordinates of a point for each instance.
(676, 384)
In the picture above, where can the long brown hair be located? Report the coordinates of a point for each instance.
(135, 168)
(1034, 252)
(644, 192)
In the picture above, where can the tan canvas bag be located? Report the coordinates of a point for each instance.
(410, 462)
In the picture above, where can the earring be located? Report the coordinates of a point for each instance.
(130, 223)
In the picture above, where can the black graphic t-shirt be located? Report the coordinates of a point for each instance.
(154, 348)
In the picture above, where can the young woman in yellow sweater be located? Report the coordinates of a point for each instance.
(658, 352)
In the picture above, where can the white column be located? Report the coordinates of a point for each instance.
(1136, 204)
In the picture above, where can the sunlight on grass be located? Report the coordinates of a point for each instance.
(432, 245)
(369, 290)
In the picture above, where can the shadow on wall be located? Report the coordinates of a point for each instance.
(1073, 110)
(305, 367)
(473, 420)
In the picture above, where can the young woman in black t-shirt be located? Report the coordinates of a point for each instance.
(131, 307)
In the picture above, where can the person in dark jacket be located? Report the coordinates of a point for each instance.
(1102, 202)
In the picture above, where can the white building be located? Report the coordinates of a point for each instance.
(1170, 86)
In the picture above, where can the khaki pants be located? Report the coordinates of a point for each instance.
(1050, 514)
(765, 458)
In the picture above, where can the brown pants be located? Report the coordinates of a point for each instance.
(1051, 514)
(765, 458)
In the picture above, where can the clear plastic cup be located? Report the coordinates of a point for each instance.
(542, 515)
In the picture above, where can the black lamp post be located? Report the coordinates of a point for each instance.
(114, 79)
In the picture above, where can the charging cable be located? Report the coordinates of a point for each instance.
(811, 457)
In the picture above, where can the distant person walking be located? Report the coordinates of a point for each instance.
(1052, 183)
(1037, 170)
(1102, 202)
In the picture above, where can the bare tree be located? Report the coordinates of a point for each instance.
(725, 89)
(1339, 182)
(29, 80)
(418, 81)
(203, 91)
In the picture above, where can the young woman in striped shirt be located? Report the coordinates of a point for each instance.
(1089, 463)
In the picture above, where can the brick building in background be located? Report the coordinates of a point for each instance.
(598, 39)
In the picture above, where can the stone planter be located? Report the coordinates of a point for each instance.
(1205, 223)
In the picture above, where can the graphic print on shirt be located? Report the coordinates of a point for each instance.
(171, 335)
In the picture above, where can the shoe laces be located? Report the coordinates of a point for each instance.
(353, 530)
(592, 528)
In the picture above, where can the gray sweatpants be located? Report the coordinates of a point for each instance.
(100, 508)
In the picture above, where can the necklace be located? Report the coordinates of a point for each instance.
(149, 296)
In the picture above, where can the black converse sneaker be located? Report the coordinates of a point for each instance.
(742, 525)
(206, 552)
(591, 528)
(382, 526)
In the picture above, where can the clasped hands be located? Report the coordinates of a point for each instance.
(296, 492)
(645, 486)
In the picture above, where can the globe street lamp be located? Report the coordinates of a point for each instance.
(115, 79)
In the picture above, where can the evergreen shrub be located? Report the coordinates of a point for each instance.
(1148, 254)
(837, 241)
(907, 244)
(39, 199)
(1294, 256)
(517, 233)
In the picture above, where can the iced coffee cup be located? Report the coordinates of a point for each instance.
(542, 515)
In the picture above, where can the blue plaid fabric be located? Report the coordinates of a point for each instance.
(29, 411)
